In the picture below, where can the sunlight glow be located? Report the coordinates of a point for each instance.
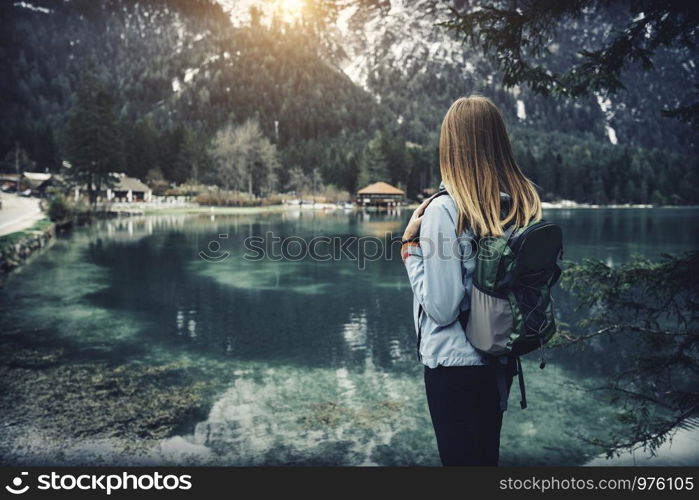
(291, 10)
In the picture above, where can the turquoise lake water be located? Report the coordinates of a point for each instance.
(302, 338)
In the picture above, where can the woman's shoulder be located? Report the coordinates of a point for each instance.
(442, 206)
(443, 201)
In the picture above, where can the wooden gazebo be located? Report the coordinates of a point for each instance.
(380, 194)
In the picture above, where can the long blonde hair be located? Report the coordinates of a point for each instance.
(476, 163)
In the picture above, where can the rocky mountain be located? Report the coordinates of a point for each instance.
(396, 50)
(337, 86)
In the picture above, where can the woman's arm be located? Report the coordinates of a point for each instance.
(434, 266)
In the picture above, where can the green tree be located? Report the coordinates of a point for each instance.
(373, 166)
(141, 143)
(598, 194)
(17, 161)
(46, 150)
(93, 144)
(520, 33)
(245, 159)
(398, 160)
(192, 159)
(181, 154)
(654, 306)
(298, 181)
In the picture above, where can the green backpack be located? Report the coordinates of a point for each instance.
(511, 305)
(512, 311)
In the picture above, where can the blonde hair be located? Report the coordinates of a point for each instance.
(476, 163)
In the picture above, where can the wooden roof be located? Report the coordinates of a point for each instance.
(130, 184)
(381, 188)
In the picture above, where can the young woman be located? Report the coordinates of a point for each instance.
(486, 190)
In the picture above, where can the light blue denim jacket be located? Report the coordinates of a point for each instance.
(440, 271)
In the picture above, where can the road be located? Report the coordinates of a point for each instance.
(18, 213)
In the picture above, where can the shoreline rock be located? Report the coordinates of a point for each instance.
(16, 248)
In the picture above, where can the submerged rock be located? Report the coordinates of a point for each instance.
(49, 399)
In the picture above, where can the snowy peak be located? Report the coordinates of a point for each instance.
(397, 33)
(402, 36)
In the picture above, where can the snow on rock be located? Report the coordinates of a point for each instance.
(605, 104)
(239, 10)
(27, 5)
(189, 74)
(400, 34)
(403, 37)
(521, 111)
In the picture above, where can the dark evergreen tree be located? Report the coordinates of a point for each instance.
(93, 144)
(373, 166)
(519, 34)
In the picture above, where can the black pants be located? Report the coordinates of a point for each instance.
(465, 409)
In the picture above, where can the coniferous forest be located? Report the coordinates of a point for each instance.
(165, 80)
(197, 289)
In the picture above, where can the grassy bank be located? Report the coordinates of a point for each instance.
(13, 238)
(17, 247)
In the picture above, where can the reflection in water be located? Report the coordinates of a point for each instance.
(354, 332)
(317, 357)
(265, 417)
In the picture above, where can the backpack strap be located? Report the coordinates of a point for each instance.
(419, 331)
(420, 309)
(441, 192)
(510, 276)
(429, 200)
(522, 391)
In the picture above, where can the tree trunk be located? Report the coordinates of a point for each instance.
(90, 191)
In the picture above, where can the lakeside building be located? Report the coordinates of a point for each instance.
(380, 194)
(125, 189)
(129, 189)
(38, 182)
(30, 183)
